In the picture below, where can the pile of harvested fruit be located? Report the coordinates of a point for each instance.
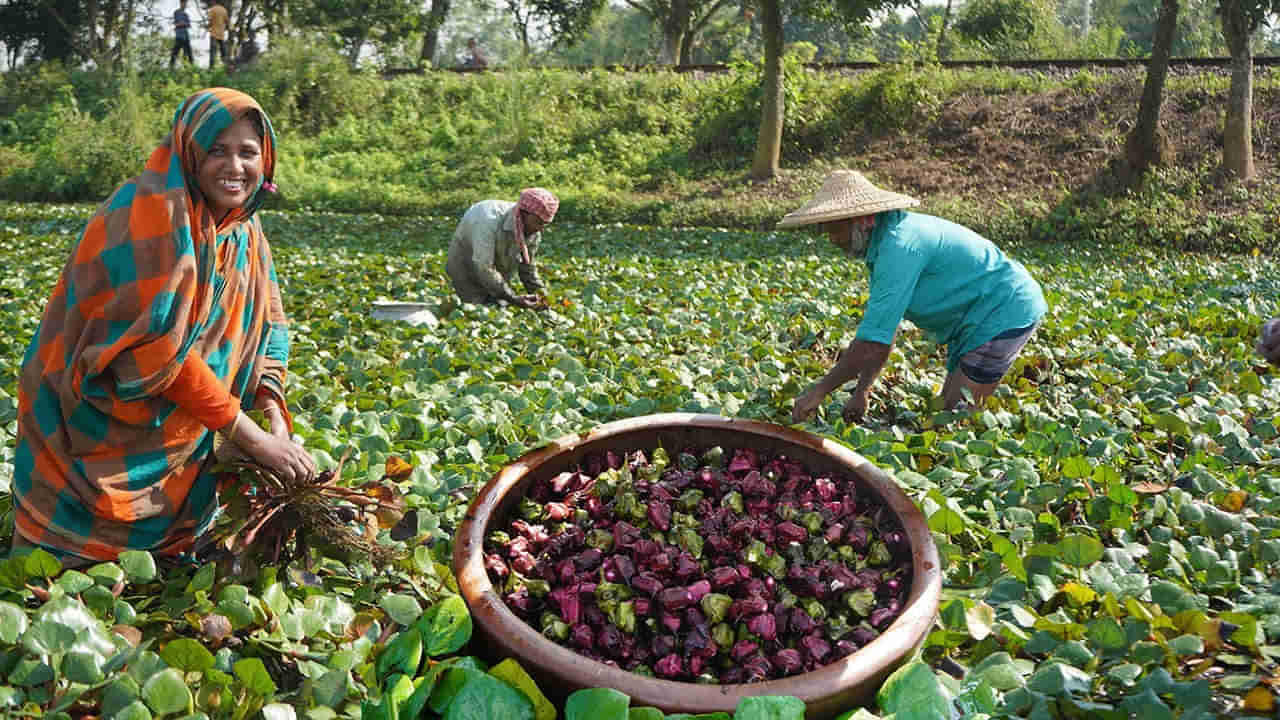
(722, 567)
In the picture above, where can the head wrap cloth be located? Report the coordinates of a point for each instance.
(104, 462)
(540, 202)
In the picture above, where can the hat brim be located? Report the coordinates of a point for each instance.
(806, 216)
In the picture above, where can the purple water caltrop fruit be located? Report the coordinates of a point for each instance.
(700, 570)
(788, 661)
(671, 666)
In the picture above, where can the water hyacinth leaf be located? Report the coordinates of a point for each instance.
(446, 626)
(74, 582)
(645, 713)
(947, 521)
(253, 673)
(1146, 705)
(914, 692)
(597, 704)
(136, 710)
(402, 655)
(83, 667)
(512, 673)
(1187, 645)
(203, 579)
(1002, 676)
(13, 623)
(1107, 634)
(859, 714)
(485, 697)
(278, 711)
(330, 689)
(451, 681)
(1172, 598)
(980, 618)
(12, 697)
(769, 707)
(1076, 467)
(187, 655)
(40, 563)
(118, 693)
(139, 565)
(404, 609)
(166, 692)
(275, 598)
(30, 673)
(1080, 550)
(1060, 679)
(45, 637)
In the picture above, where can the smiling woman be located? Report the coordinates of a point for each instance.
(165, 326)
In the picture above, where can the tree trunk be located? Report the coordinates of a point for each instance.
(93, 46)
(1237, 136)
(431, 33)
(1146, 145)
(943, 50)
(769, 143)
(675, 32)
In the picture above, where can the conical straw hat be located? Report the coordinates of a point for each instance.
(846, 194)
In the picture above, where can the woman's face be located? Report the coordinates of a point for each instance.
(230, 173)
(850, 234)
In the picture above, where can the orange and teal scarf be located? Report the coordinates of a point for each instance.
(105, 462)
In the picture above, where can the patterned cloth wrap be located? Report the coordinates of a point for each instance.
(540, 202)
(104, 462)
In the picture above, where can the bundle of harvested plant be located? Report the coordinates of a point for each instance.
(268, 521)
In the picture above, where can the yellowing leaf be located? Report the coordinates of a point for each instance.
(1147, 487)
(1259, 699)
(1079, 594)
(510, 672)
(397, 469)
(1234, 501)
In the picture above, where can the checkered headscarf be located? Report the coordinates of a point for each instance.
(540, 202)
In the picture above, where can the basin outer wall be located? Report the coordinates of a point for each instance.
(826, 691)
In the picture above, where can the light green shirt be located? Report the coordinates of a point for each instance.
(483, 254)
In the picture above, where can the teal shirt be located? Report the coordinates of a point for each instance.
(948, 280)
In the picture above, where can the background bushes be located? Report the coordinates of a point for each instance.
(647, 147)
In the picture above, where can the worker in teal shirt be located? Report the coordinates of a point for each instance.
(948, 280)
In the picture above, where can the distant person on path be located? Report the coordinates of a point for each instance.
(475, 56)
(165, 327)
(948, 280)
(217, 32)
(495, 239)
(1269, 343)
(181, 36)
(247, 53)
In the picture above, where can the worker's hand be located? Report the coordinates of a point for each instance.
(806, 404)
(855, 407)
(532, 302)
(286, 459)
(1269, 343)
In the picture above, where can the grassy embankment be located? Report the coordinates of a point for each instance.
(1014, 155)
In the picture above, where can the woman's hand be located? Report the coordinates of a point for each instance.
(806, 404)
(274, 451)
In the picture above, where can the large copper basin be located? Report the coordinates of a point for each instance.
(827, 691)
